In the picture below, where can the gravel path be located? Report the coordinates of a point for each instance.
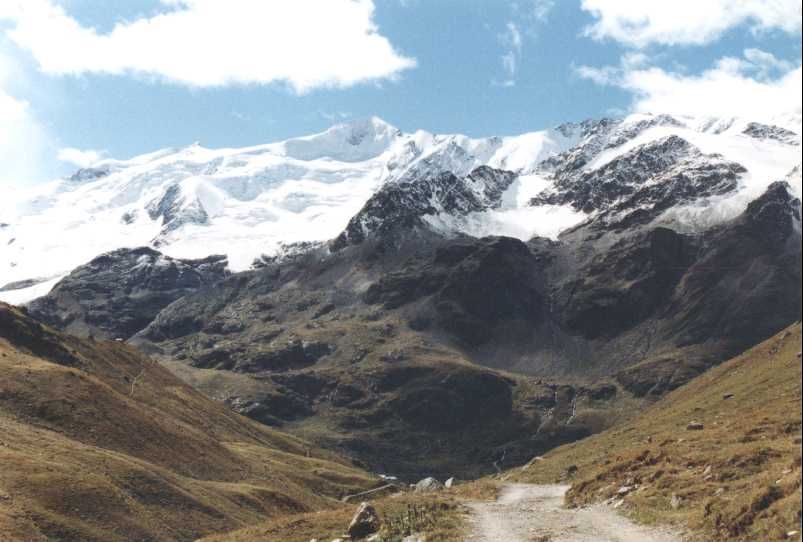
(535, 513)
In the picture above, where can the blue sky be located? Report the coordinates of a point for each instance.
(479, 67)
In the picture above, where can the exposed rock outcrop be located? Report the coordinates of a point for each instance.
(119, 293)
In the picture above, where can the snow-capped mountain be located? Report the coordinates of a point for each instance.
(355, 177)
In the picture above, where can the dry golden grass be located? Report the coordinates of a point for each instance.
(738, 478)
(440, 516)
(98, 442)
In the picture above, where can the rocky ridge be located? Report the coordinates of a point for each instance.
(486, 350)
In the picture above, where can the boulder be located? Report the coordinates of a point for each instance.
(695, 426)
(451, 482)
(428, 484)
(364, 523)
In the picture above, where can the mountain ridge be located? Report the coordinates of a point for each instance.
(356, 348)
(194, 202)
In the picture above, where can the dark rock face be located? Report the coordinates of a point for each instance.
(20, 284)
(746, 284)
(624, 285)
(774, 215)
(272, 409)
(639, 185)
(497, 282)
(600, 392)
(401, 206)
(454, 401)
(89, 174)
(119, 293)
(477, 284)
(404, 286)
(388, 342)
(233, 306)
(764, 131)
(662, 374)
(743, 286)
(30, 335)
(175, 211)
(292, 354)
(599, 135)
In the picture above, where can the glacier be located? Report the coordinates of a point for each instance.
(247, 202)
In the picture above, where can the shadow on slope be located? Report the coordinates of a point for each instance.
(98, 442)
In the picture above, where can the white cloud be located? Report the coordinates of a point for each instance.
(541, 9)
(527, 16)
(532, 12)
(512, 42)
(205, 43)
(757, 86)
(78, 157)
(686, 22)
(11, 109)
(24, 141)
(765, 64)
(612, 75)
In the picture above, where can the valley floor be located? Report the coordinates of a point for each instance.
(526, 512)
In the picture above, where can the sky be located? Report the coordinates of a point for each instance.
(83, 80)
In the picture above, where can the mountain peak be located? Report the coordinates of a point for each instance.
(353, 141)
(245, 202)
(370, 123)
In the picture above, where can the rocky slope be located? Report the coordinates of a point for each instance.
(719, 456)
(119, 293)
(639, 185)
(283, 346)
(401, 207)
(669, 245)
(382, 352)
(99, 443)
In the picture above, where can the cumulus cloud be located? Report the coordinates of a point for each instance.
(612, 75)
(24, 141)
(307, 44)
(78, 157)
(686, 22)
(757, 86)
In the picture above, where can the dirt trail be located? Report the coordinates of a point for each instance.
(535, 513)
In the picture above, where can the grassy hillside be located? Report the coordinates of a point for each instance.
(736, 478)
(440, 516)
(98, 442)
